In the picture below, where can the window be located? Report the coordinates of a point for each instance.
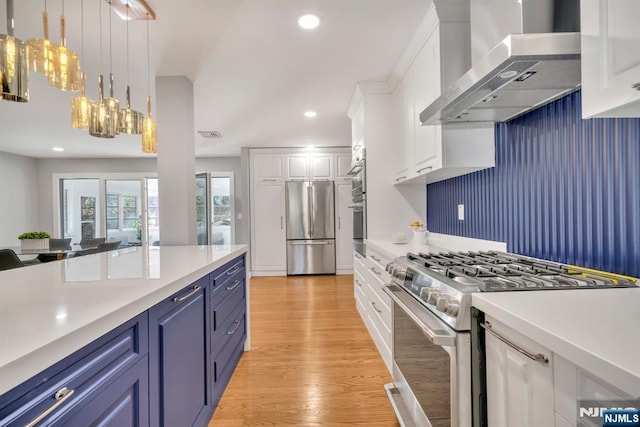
(129, 211)
(113, 212)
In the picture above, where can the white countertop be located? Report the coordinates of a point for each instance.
(436, 243)
(595, 329)
(50, 310)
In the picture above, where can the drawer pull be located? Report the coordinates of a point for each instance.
(182, 298)
(358, 255)
(61, 396)
(373, 304)
(375, 271)
(229, 273)
(375, 258)
(424, 169)
(233, 331)
(636, 86)
(538, 357)
(358, 282)
(235, 285)
(401, 178)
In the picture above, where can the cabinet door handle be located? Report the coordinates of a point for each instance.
(229, 273)
(375, 271)
(375, 258)
(235, 285)
(358, 282)
(373, 304)
(401, 178)
(358, 255)
(424, 169)
(269, 180)
(339, 223)
(61, 396)
(182, 298)
(636, 86)
(537, 357)
(281, 221)
(233, 331)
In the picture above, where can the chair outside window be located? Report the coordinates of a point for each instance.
(9, 260)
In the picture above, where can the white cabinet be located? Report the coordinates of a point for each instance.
(344, 227)
(372, 303)
(426, 154)
(310, 166)
(297, 167)
(357, 126)
(343, 165)
(268, 249)
(610, 36)
(267, 167)
(573, 384)
(519, 389)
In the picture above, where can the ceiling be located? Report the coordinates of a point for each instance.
(254, 70)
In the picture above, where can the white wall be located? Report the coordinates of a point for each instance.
(19, 195)
(47, 167)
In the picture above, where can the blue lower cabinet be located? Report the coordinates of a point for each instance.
(124, 403)
(179, 359)
(229, 353)
(91, 384)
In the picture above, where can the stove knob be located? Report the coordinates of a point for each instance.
(400, 273)
(442, 303)
(390, 267)
(433, 296)
(452, 308)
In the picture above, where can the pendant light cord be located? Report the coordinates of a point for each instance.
(100, 16)
(81, 30)
(128, 79)
(110, 53)
(148, 66)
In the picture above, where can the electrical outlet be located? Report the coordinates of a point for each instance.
(460, 212)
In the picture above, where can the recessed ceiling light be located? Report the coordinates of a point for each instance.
(58, 149)
(309, 22)
(310, 114)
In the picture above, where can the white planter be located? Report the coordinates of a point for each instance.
(34, 244)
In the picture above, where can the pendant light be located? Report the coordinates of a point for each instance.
(129, 121)
(102, 122)
(64, 65)
(149, 126)
(40, 49)
(14, 69)
(81, 105)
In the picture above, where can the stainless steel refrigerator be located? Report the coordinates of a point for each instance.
(310, 228)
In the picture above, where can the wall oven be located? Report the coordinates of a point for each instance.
(359, 200)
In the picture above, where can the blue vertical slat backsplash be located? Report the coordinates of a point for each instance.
(563, 189)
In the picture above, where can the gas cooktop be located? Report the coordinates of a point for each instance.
(499, 271)
(444, 282)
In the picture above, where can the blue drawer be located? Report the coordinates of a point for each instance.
(87, 372)
(225, 362)
(226, 274)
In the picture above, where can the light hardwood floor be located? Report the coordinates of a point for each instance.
(311, 363)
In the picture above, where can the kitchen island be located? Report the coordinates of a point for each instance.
(50, 312)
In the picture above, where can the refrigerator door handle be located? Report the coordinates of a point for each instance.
(313, 194)
(309, 210)
(310, 243)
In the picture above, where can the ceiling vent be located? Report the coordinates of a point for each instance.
(210, 134)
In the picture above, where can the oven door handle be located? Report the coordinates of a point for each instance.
(443, 340)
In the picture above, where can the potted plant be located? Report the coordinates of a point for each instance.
(34, 240)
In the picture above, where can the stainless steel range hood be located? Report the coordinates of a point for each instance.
(524, 71)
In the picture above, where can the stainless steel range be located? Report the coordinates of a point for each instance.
(431, 296)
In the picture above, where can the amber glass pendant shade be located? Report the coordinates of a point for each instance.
(130, 121)
(64, 65)
(14, 69)
(103, 118)
(149, 132)
(40, 50)
(81, 107)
